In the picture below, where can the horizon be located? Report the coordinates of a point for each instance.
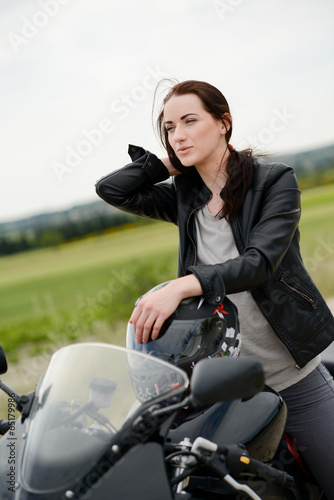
(96, 199)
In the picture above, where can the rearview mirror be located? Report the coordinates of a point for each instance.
(3, 362)
(223, 379)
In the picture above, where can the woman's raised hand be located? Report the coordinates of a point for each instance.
(172, 171)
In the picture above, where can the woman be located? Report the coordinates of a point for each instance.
(238, 236)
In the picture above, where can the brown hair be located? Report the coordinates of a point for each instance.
(239, 167)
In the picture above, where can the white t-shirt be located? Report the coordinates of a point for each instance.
(215, 243)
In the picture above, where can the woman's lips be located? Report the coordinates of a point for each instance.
(183, 151)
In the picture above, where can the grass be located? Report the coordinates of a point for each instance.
(63, 276)
(86, 287)
(317, 236)
(318, 196)
(66, 291)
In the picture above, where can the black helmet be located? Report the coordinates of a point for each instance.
(197, 329)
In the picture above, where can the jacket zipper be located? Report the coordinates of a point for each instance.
(237, 236)
(191, 239)
(301, 294)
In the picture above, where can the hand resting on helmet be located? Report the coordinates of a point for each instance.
(149, 315)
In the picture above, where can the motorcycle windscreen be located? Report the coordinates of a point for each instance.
(84, 399)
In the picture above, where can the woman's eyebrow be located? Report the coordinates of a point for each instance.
(182, 117)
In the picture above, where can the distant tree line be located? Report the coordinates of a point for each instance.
(65, 231)
(313, 178)
(49, 233)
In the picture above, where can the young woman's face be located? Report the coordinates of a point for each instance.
(195, 136)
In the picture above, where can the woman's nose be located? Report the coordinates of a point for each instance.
(179, 134)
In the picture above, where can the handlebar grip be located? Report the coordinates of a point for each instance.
(270, 474)
(4, 426)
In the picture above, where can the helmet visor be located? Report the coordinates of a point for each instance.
(184, 340)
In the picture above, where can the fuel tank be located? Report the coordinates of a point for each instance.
(257, 422)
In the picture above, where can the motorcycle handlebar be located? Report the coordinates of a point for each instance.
(236, 459)
(4, 426)
(268, 473)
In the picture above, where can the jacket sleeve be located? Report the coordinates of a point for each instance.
(138, 188)
(278, 206)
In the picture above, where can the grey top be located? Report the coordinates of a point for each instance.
(215, 243)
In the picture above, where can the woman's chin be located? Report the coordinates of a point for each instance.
(186, 163)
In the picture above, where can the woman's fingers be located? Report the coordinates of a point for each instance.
(157, 327)
(148, 318)
(152, 311)
(142, 320)
(149, 326)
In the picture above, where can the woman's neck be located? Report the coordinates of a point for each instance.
(214, 173)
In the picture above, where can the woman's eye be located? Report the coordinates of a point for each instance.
(172, 127)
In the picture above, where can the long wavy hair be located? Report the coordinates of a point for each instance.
(239, 168)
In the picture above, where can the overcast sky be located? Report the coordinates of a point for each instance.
(77, 80)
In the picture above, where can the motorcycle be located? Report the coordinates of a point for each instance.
(106, 422)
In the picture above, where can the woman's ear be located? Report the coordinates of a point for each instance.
(226, 123)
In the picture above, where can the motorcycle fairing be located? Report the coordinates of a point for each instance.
(257, 422)
(137, 477)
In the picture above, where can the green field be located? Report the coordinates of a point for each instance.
(88, 287)
(81, 288)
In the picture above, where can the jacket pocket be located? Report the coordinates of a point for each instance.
(296, 291)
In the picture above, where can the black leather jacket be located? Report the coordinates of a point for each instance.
(266, 235)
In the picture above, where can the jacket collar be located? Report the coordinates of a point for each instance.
(197, 193)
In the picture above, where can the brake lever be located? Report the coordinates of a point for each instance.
(201, 445)
(241, 487)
